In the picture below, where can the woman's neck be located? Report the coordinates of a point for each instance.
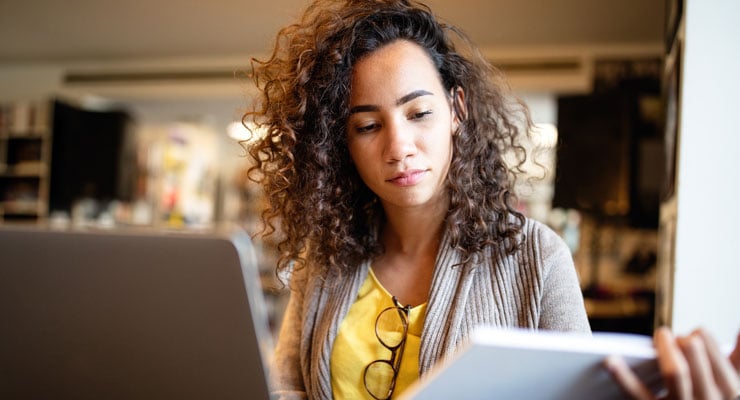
(414, 231)
(411, 239)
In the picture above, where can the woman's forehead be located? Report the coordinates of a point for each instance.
(394, 69)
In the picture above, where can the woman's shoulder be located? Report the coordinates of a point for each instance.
(541, 254)
(302, 276)
(539, 234)
(549, 249)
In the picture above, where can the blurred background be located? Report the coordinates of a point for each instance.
(116, 114)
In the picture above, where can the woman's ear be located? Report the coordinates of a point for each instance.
(459, 110)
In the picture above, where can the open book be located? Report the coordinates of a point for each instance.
(517, 364)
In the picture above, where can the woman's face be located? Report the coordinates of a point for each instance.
(400, 126)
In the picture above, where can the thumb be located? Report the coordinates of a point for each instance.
(735, 355)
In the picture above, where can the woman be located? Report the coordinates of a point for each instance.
(384, 166)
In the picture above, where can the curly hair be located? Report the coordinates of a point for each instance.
(326, 214)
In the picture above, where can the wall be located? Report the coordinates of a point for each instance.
(707, 269)
(29, 82)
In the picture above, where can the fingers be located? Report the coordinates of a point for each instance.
(627, 379)
(735, 356)
(703, 384)
(693, 367)
(673, 365)
(724, 373)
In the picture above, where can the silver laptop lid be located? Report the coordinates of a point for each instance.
(138, 315)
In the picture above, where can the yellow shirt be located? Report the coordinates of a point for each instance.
(356, 345)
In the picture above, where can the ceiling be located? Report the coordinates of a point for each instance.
(72, 30)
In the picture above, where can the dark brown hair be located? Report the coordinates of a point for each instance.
(326, 215)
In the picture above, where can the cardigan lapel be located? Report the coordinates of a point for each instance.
(446, 307)
(334, 302)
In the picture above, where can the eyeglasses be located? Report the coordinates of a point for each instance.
(391, 328)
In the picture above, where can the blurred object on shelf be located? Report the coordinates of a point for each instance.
(621, 296)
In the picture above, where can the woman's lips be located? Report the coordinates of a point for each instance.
(408, 178)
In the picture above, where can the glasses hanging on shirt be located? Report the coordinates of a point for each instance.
(391, 328)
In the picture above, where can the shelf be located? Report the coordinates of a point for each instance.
(24, 175)
(25, 154)
(26, 169)
(23, 136)
(617, 308)
(22, 207)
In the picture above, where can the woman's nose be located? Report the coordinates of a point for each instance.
(400, 143)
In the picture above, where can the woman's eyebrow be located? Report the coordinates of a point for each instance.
(363, 108)
(401, 101)
(416, 93)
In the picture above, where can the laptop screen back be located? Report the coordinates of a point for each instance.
(130, 316)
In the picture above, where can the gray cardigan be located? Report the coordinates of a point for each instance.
(535, 288)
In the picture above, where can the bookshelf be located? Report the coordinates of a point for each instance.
(25, 158)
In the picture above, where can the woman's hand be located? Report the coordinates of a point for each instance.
(692, 367)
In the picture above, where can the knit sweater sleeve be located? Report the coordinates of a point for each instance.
(562, 306)
(286, 374)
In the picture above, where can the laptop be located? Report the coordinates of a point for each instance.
(130, 315)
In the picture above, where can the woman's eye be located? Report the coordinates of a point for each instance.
(366, 128)
(420, 114)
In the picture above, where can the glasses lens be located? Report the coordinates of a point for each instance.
(391, 327)
(379, 378)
